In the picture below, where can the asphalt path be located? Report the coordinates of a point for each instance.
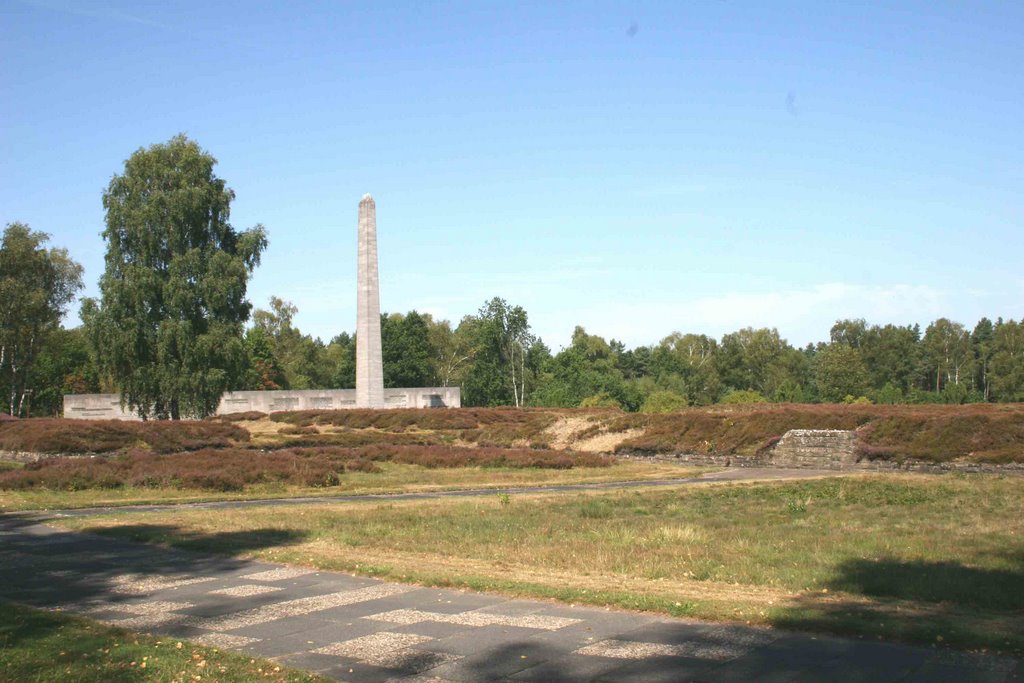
(364, 630)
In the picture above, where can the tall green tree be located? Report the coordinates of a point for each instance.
(1007, 369)
(892, 356)
(584, 370)
(302, 358)
(405, 346)
(981, 342)
(263, 370)
(507, 356)
(758, 360)
(169, 325)
(947, 354)
(849, 332)
(693, 358)
(453, 351)
(840, 372)
(64, 366)
(36, 286)
(341, 359)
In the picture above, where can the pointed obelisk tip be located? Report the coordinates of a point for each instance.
(367, 198)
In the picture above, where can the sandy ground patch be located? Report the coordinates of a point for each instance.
(605, 442)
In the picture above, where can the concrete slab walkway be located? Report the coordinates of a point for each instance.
(360, 629)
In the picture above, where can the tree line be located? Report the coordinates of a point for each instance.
(497, 361)
(169, 331)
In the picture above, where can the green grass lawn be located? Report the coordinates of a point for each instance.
(45, 647)
(393, 478)
(934, 559)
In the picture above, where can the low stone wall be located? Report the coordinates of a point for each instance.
(335, 399)
(832, 449)
(108, 406)
(827, 449)
(29, 456)
(95, 407)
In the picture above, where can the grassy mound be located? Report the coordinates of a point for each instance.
(991, 433)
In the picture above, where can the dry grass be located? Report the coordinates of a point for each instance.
(392, 478)
(910, 558)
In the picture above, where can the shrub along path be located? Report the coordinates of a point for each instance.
(362, 629)
(738, 474)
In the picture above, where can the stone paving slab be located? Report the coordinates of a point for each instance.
(364, 630)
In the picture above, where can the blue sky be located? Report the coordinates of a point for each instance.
(635, 168)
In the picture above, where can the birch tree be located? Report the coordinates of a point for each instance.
(947, 352)
(36, 286)
(168, 328)
(503, 362)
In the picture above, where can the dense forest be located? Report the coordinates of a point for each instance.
(495, 359)
(173, 329)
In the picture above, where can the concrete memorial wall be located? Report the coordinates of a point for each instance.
(369, 391)
(108, 406)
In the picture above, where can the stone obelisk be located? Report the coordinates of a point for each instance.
(369, 358)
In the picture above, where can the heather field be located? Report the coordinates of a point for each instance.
(252, 455)
(58, 436)
(935, 433)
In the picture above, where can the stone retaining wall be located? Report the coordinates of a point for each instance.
(826, 449)
(831, 449)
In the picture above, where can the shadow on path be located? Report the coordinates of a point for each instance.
(46, 567)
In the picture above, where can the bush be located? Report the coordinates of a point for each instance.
(249, 415)
(663, 402)
(889, 395)
(743, 397)
(289, 430)
(600, 400)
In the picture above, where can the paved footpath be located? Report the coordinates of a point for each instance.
(361, 629)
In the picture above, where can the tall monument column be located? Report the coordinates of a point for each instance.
(369, 357)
